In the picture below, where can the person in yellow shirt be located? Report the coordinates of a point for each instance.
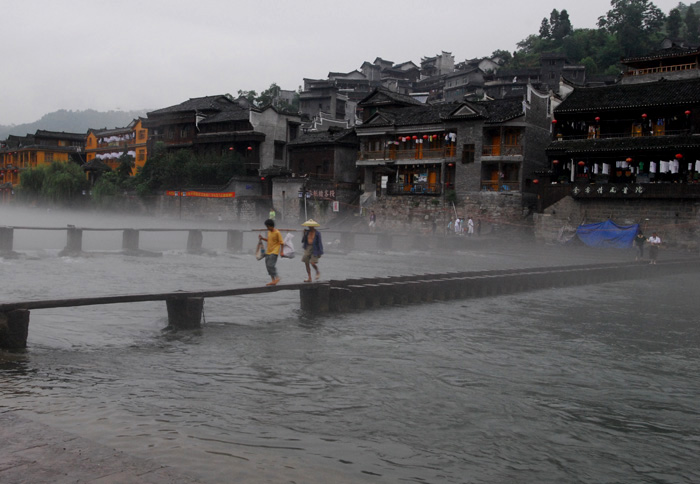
(274, 250)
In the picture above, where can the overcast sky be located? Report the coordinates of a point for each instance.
(150, 54)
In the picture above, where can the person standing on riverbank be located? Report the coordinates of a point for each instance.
(313, 248)
(639, 241)
(273, 251)
(654, 243)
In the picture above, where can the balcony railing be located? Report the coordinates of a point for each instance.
(413, 189)
(499, 185)
(657, 70)
(629, 134)
(412, 154)
(502, 150)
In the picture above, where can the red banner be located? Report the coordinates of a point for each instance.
(173, 193)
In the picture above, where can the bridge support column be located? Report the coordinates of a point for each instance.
(185, 312)
(74, 242)
(315, 298)
(194, 241)
(6, 239)
(234, 240)
(14, 328)
(130, 239)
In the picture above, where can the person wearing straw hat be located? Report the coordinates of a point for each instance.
(313, 248)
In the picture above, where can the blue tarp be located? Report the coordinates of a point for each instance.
(607, 234)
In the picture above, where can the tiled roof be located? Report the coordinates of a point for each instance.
(674, 51)
(206, 103)
(325, 137)
(40, 133)
(412, 115)
(624, 144)
(231, 113)
(393, 96)
(661, 93)
(499, 110)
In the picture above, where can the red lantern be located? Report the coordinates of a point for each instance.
(597, 119)
(644, 116)
(230, 148)
(535, 181)
(425, 136)
(581, 163)
(555, 162)
(250, 148)
(679, 156)
(415, 137)
(450, 164)
(554, 121)
(629, 160)
(687, 113)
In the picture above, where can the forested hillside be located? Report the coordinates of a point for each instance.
(630, 28)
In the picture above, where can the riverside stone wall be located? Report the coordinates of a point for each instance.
(676, 221)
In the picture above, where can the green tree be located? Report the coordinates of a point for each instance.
(63, 182)
(562, 27)
(590, 65)
(637, 25)
(674, 23)
(106, 188)
(545, 29)
(126, 165)
(692, 25)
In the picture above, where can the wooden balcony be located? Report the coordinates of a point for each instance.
(499, 185)
(502, 150)
(412, 154)
(662, 69)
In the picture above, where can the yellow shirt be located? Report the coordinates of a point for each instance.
(274, 242)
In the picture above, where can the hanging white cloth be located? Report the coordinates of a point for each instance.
(652, 167)
(606, 169)
(664, 167)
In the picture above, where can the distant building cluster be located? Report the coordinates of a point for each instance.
(430, 130)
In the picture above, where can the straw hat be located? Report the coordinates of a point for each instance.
(311, 223)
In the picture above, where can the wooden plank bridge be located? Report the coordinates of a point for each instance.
(338, 296)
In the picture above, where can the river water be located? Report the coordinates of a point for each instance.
(585, 384)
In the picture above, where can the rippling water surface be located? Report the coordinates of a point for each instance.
(585, 384)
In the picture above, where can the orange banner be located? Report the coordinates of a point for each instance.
(173, 193)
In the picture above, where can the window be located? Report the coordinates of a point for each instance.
(293, 131)
(49, 157)
(141, 155)
(184, 132)
(279, 150)
(468, 154)
(142, 134)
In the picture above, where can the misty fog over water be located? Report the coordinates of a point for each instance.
(594, 383)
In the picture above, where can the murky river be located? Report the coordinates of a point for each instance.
(586, 384)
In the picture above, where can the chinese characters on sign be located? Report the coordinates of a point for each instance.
(606, 190)
(322, 194)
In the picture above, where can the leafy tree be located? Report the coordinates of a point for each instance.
(106, 187)
(56, 183)
(545, 29)
(674, 23)
(249, 95)
(692, 25)
(268, 95)
(503, 54)
(590, 65)
(126, 165)
(635, 23)
(562, 27)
